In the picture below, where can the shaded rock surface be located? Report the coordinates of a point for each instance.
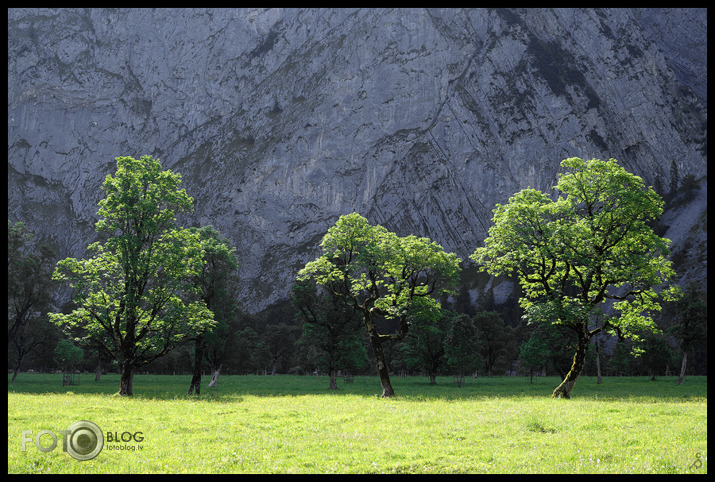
(282, 120)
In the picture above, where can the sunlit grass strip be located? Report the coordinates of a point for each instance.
(328, 432)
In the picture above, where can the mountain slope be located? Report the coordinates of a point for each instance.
(282, 120)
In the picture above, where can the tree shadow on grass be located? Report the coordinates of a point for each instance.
(232, 388)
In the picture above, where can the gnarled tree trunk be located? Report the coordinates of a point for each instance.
(564, 390)
(382, 369)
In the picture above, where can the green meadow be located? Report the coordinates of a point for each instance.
(294, 424)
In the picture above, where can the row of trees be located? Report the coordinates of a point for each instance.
(280, 340)
(587, 262)
(483, 344)
(586, 259)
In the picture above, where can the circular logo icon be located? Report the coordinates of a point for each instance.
(85, 440)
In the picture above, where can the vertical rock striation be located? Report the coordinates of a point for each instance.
(282, 120)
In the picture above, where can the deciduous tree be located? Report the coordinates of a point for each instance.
(382, 274)
(214, 281)
(423, 348)
(462, 345)
(29, 292)
(137, 294)
(690, 324)
(533, 354)
(588, 259)
(494, 339)
(331, 330)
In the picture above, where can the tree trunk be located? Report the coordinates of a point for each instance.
(382, 370)
(20, 356)
(214, 377)
(333, 379)
(432, 378)
(126, 381)
(598, 366)
(682, 367)
(564, 390)
(198, 359)
(98, 368)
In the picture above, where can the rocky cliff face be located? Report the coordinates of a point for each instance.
(282, 120)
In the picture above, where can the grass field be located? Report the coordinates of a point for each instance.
(294, 424)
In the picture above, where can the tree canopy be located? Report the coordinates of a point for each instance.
(382, 274)
(137, 295)
(331, 333)
(215, 283)
(588, 256)
(29, 292)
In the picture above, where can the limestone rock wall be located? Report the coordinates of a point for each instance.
(280, 120)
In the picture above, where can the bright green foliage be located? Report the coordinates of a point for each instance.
(382, 274)
(137, 294)
(589, 247)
